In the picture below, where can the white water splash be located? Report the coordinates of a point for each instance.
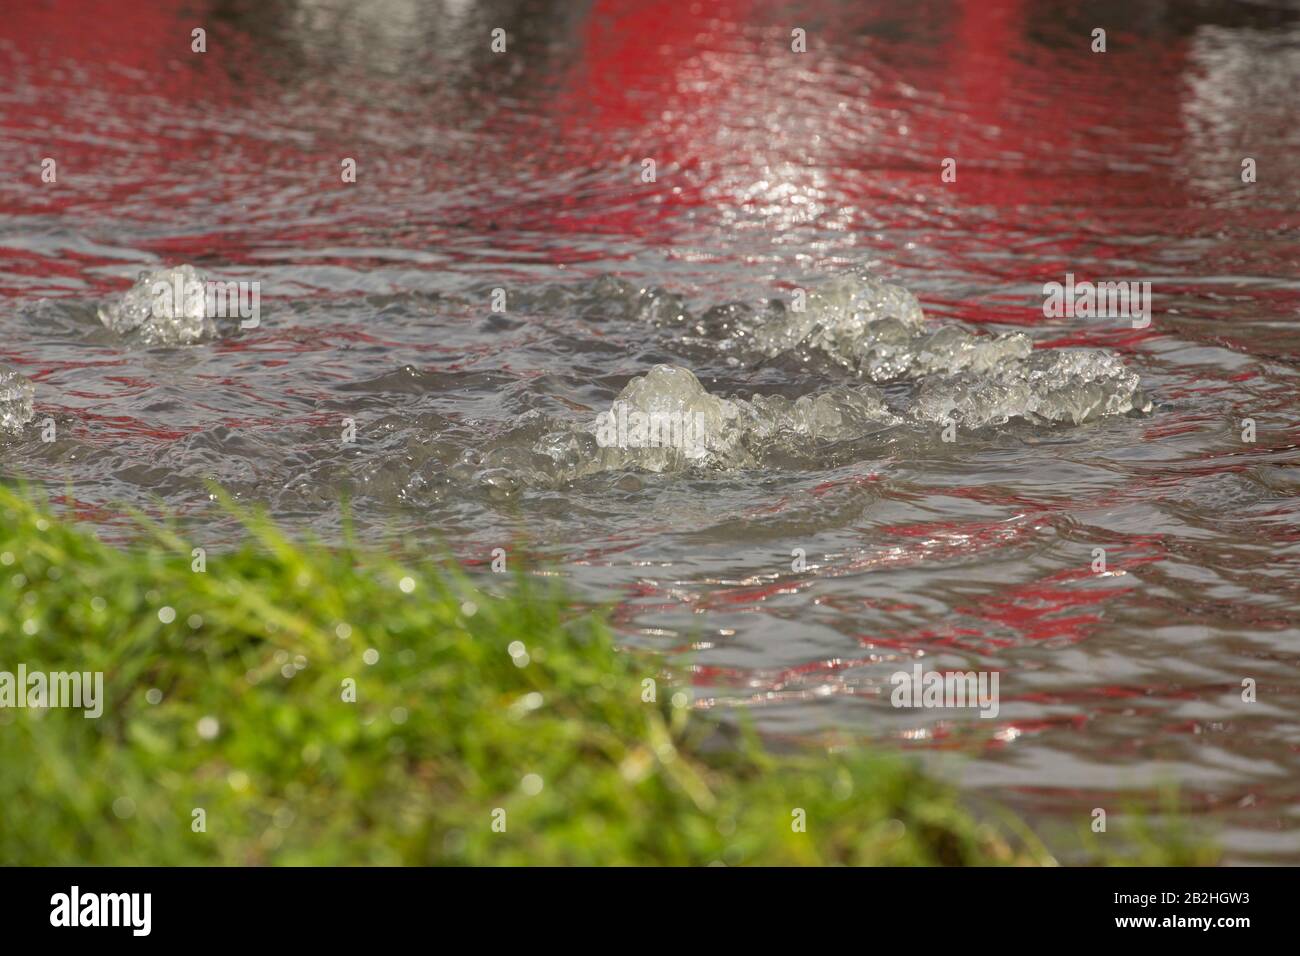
(1051, 385)
(874, 330)
(164, 307)
(16, 396)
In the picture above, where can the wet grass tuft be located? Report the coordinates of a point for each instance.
(295, 704)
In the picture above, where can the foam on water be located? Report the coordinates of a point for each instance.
(153, 313)
(16, 396)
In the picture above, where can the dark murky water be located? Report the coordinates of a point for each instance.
(775, 171)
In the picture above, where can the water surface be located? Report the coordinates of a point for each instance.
(774, 171)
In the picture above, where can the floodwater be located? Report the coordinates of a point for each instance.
(812, 549)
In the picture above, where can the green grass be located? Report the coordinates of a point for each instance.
(445, 729)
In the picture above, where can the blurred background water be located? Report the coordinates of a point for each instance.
(774, 169)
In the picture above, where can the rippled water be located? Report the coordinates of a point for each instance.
(776, 174)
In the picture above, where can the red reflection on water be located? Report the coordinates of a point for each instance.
(845, 142)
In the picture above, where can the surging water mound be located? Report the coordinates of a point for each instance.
(1050, 385)
(165, 307)
(16, 396)
(705, 431)
(870, 328)
(674, 423)
(877, 331)
(667, 421)
(842, 319)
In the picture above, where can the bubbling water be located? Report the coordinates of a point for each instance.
(164, 307)
(941, 379)
(16, 396)
(938, 379)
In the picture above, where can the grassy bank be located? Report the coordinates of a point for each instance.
(225, 692)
